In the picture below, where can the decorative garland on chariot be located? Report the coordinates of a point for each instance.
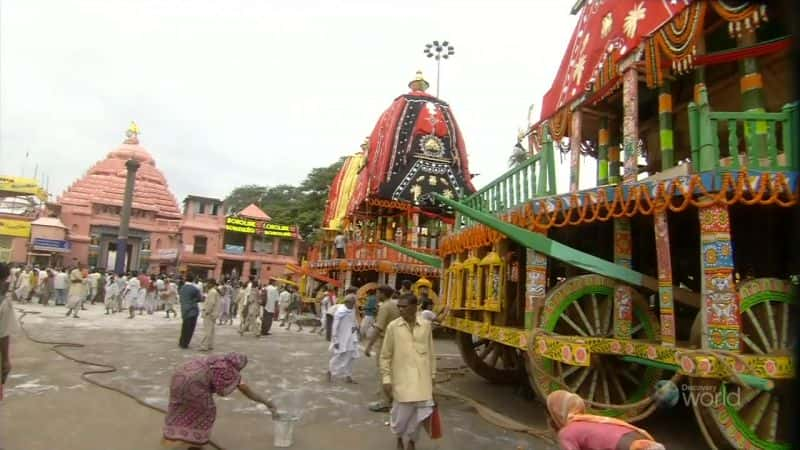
(645, 199)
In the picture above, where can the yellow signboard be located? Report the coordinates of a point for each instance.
(271, 229)
(19, 228)
(21, 186)
(240, 225)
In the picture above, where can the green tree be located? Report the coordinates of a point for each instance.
(302, 205)
(243, 196)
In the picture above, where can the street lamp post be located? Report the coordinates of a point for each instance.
(439, 51)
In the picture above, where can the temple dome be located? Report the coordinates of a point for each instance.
(104, 183)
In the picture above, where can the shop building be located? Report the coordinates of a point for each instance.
(235, 245)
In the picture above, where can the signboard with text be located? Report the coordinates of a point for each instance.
(240, 225)
(271, 229)
(11, 227)
(52, 245)
(250, 226)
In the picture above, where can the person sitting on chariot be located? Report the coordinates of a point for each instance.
(580, 431)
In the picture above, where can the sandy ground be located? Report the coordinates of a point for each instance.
(48, 406)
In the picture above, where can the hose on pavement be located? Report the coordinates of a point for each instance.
(57, 347)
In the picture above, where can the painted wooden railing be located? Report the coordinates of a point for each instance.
(532, 178)
(359, 250)
(767, 139)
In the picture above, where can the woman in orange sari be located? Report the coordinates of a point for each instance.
(580, 431)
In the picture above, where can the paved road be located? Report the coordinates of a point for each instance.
(46, 391)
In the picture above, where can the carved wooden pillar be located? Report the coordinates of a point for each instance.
(720, 307)
(575, 138)
(535, 285)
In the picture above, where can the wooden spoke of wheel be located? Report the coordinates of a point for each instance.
(754, 321)
(772, 425)
(618, 386)
(589, 330)
(785, 325)
(758, 409)
(752, 345)
(609, 320)
(508, 358)
(493, 355)
(574, 326)
(489, 346)
(593, 385)
(596, 312)
(581, 379)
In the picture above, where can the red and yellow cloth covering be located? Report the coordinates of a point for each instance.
(341, 192)
(604, 29)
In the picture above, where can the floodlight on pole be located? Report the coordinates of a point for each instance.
(439, 51)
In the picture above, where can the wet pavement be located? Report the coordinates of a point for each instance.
(47, 405)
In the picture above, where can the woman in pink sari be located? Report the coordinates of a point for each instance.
(191, 413)
(580, 431)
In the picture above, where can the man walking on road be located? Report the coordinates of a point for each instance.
(210, 316)
(190, 296)
(77, 291)
(60, 286)
(387, 312)
(408, 367)
(269, 308)
(344, 341)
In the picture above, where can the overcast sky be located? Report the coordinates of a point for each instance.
(229, 92)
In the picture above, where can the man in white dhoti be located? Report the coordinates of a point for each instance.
(130, 296)
(23, 284)
(408, 367)
(344, 341)
(170, 298)
(111, 293)
(210, 316)
(77, 291)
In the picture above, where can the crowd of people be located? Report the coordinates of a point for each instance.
(399, 322)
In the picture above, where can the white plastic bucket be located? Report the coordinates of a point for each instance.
(283, 431)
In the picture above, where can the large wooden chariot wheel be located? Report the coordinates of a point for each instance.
(496, 362)
(583, 307)
(743, 417)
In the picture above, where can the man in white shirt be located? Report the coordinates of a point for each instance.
(269, 308)
(339, 242)
(61, 285)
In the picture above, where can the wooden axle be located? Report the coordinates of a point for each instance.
(762, 384)
(567, 254)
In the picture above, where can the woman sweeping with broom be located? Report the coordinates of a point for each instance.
(191, 412)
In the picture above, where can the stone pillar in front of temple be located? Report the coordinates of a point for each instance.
(122, 238)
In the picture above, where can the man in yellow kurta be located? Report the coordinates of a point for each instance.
(408, 367)
(77, 291)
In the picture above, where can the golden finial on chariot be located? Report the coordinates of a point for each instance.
(418, 83)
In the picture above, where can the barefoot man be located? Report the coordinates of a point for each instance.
(344, 341)
(408, 367)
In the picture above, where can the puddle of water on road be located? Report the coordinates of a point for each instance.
(31, 387)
